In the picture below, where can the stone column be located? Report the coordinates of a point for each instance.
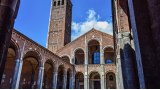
(8, 13)
(119, 77)
(136, 44)
(128, 63)
(17, 74)
(102, 80)
(101, 54)
(40, 77)
(54, 82)
(86, 52)
(72, 81)
(86, 65)
(65, 79)
(86, 81)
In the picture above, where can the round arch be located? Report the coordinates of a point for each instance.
(109, 55)
(79, 56)
(48, 74)
(9, 70)
(94, 52)
(79, 80)
(110, 80)
(60, 78)
(30, 69)
(66, 58)
(94, 80)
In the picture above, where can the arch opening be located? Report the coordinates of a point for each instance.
(110, 81)
(69, 74)
(94, 81)
(66, 59)
(94, 52)
(30, 69)
(7, 78)
(79, 57)
(60, 77)
(79, 80)
(109, 55)
(48, 74)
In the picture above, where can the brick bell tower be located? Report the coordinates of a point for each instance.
(59, 33)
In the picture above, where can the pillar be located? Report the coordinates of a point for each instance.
(119, 78)
(86, 65)
(54, 84)
(101, 54)
(72, 81)
(17, 74)
(128, 63)
(136, 44)
(86, 81)
(102, 80)
(40, 77)
(8, 13)
(65, 79)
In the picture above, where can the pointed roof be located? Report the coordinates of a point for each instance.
(90, 31)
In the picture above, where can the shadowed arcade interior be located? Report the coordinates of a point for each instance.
(29, 74)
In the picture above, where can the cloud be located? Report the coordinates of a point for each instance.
(92, 21)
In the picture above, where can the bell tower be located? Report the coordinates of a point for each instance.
(59, 33)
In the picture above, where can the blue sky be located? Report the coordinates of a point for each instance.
(33, 18)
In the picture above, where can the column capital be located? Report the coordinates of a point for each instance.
(41, 67)
(55, 72)
(19, 60)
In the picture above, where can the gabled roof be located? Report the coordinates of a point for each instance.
(90, 31)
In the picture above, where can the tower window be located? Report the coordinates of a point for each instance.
(59, 3)
(55, 3)
(62, 2)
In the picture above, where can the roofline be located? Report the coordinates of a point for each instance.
(14, 30)
(93, 29)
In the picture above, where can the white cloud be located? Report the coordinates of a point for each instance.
(92, 21)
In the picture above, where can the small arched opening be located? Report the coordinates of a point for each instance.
(109, 55)
(79, 80)
(94, 81)
(79, 57)
(110, 81)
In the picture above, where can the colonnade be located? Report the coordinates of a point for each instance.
(29, 72)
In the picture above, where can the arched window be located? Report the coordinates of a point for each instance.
(96, 58)
(54, 3)
(79, 57)
(59, 3)
(62, 2)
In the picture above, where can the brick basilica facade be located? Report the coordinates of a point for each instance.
(129, 59)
